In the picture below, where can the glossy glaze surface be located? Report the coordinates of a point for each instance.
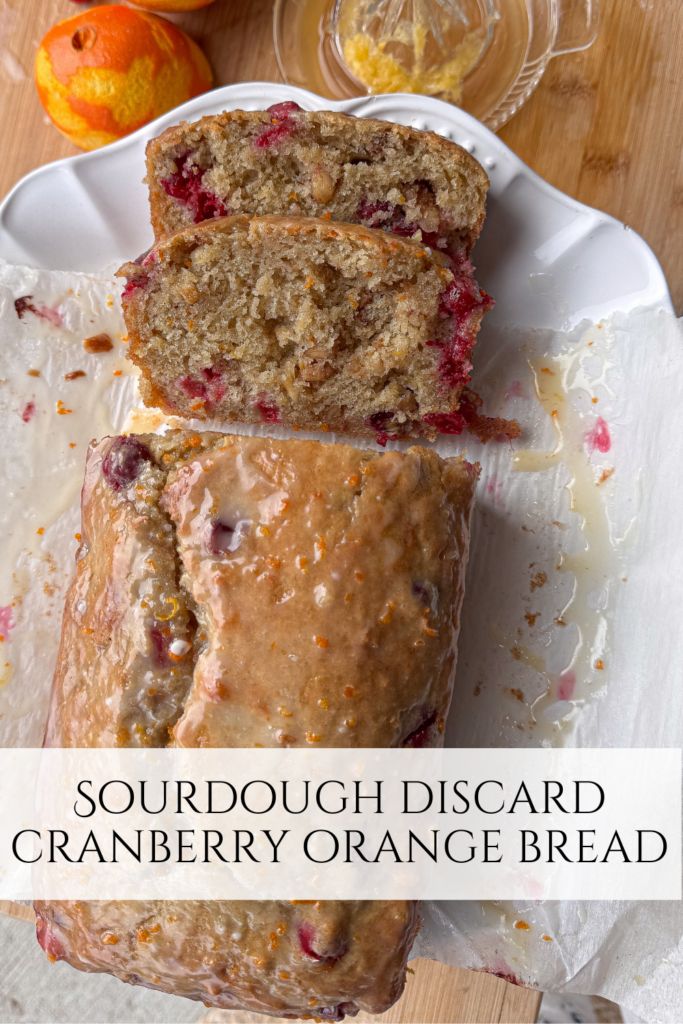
(266, 593)
(341, 583)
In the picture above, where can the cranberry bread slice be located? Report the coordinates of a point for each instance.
(292, 162)
(372, 616)
(304, 322)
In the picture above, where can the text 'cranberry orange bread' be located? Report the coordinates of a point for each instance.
(342, 633)
(292, 162)
(303, 322)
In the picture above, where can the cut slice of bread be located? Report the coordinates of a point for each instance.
(306, 322)
(291, 162)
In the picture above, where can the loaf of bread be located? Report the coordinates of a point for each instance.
(341, 634)
(291, 162)
(303, 322)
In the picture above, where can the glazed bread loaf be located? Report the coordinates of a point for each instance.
(292, 162)
(368, 549)
(321, 961)
(303, 322)
(342, 633)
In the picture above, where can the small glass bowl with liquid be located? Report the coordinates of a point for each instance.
(486, 56)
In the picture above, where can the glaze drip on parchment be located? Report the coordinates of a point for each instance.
(567, 385)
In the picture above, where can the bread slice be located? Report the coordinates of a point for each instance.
(292, 162)
(304, 322)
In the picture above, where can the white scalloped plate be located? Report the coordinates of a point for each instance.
(548, 260)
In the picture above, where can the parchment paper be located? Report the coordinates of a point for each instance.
(571, 631)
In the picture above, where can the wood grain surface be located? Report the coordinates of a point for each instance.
(603, 126)
(18, 910)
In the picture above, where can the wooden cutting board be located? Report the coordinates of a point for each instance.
(603, 126)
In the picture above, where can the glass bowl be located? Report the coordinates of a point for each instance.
(519, 38)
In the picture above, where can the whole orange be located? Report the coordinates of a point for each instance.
(171, 6)
(106, 72)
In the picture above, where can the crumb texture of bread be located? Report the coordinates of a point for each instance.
(290, 162)
(198, 653)
(303, 322)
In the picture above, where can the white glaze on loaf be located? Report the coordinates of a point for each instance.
(318, 591)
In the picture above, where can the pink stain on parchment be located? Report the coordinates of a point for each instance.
(598, 439)
(53, 316)
(28, 411)
(516, 390)
(566, 685)
(503, 970)
(6, 621)
(25, 304)
(496, 489)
